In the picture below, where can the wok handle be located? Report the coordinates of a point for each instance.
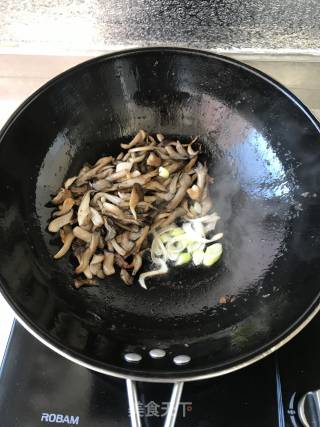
(172, 408)
(174, 404)
(133, 403)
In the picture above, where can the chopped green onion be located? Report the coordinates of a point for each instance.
(199, 229)
(163, 172)
(158, 247)
(176, 232)
(192, 234)
(212, 254)
(162, 270)
(195, 246)
(207, 218)
(213, 248)
(173, 256)
(165, 237)
(177, 246)
(183, 258)
(166, 229)
(197, 257)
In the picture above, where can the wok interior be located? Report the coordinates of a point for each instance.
(261, 149)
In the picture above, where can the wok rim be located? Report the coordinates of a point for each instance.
(188, 373)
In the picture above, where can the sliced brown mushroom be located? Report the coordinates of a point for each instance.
(111, 232)
(162, 215)
(104, 173)
(181, 150)
(174, 167)
(101, 185)
(150, 199)
(190, 150)
(130, 175)
(103, 161)
(163, 153)
(82, 179)
(137, 159)
(174, 183)
(122, 226)
(206, 205)
(67, 237)
(153, 160)
(121, 262)
(184, 182)
(79, 190)
(88, 273)
(108, 263)
(116, 176)
(202, 173)
(60, 222)
(82, 234)
(134, 235)
(137, 264)
(94, 242)
(78, 283)
(101, 242)
(96, 218)
(140, 137)
(124, 196)
(142, 180)
(194, 192)
(135, 197)
(84, 211)
(160, 137)
(109, 208)
(109, 246)
(126, 156)
(84, 169)
(117, 247)
(66, 206)
(126, 278)
(143, 149)
(142, 238)
(115, 200)
(126, 243)
(155, 186)
(103, 196)
(69, 182)
(84, 260)
(151, 140)
(100, 274)
(174, 154)
(164, 196)
(189, 166)
(62, 195)
(145, 206)
(124, 166)
(96, 264)
(88, 253)
(177, 213)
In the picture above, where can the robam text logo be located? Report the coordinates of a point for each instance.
(59, 419)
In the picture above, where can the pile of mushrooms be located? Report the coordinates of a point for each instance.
(108, 213)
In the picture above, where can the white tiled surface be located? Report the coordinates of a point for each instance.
(20, 75)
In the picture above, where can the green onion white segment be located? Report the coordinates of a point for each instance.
(185, 244)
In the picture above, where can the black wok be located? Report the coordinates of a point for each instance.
(263, 149)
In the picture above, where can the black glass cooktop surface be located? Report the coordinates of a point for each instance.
(38, 387)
